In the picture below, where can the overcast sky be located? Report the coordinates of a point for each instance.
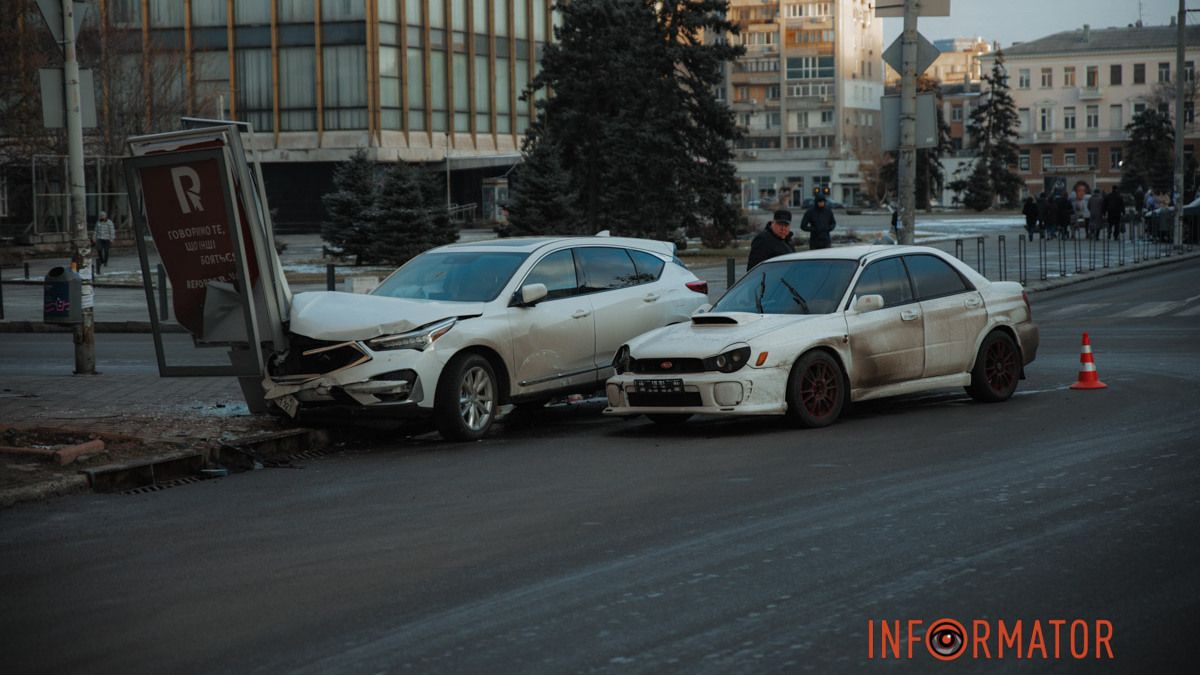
(1009, 21)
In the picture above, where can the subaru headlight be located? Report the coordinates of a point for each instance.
(728, 362)
(621, 361)
(419, 339)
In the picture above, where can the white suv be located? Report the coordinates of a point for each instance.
(460, 330)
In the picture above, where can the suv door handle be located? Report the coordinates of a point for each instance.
(580, 314)
(909, 315)
(650, 297)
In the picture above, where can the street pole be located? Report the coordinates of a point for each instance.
(85, 332)
(908, 121)
(1177, 236)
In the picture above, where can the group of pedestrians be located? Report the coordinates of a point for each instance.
(776, 237)
(1090, 213)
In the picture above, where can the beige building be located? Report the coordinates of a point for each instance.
(806, 94)
(1076, 91)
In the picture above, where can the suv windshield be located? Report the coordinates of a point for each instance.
(791, 287)
(452, 276)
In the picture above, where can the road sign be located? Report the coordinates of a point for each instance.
(927, 133)
(926, 54)
(53, 105)
(52, 13)
(894, 8)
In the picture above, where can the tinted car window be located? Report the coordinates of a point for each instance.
(452, 276)
(649, 267)
(932, 277)
(557, 271)
(605, 268)
(793, 287)
(886, 278)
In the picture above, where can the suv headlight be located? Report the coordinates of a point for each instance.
(728, 362)
(621, 360)
(419, 339)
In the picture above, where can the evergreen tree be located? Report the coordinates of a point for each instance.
(977, 189)
(541, 200)
(354, 190)
(408, 216)
(993, 130)
(1149, 157)
(633, 117)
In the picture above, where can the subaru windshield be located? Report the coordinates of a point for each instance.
(452, 276)
(790, 287)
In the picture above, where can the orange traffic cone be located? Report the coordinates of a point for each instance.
(1088, 377)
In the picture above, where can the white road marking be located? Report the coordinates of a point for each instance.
(1070, 310)
(1150, 309)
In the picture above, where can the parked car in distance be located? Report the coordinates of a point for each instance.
(460, 330)
(807, 333)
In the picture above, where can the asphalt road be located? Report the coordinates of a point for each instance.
(588, 544)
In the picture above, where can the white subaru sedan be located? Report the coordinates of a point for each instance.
(804, 334)
(460, 330)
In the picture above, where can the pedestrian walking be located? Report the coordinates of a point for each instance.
(105, 233)
(1062, 215)
(1045, 220)
(818, 222)
(1079, 208)
(1095, 206)
(774, 240)
(1114, 208)
(1031, 216)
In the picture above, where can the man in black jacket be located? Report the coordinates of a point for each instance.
(1114, 208)
(773, 240)
(818, 222)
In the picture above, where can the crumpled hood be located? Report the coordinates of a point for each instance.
(336, 316)
(711, 336)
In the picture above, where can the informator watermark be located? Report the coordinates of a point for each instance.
(983, 639)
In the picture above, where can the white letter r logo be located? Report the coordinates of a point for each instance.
(192, 193)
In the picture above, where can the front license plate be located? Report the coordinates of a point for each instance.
(288, 404)
(659, 386)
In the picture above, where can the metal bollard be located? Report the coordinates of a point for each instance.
(163, 312)
(1091, 254)
(26, 271)
(958, 249)
(1, 293)
(1062, 257)
(330, 277)
(1078, 256)
(1022, 254)
(730, 272)
(1106, 239)
(1042, 259)
(980, 256)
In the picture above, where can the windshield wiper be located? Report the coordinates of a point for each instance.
(795, 295)
(762, 289)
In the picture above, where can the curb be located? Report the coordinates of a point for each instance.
(1092, 275)
(53, 488)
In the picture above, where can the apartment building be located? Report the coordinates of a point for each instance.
(1076, 91)
(806, 94)
(958, 62)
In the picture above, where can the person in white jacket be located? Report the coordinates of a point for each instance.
(106, 232)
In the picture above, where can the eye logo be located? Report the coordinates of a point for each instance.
(946, 639)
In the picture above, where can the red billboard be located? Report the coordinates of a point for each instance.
(187, 215)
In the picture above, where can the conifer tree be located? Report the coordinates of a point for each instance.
(993, 131)
(541, 200)
(408, 217)
(1149, 157)
(347, 227)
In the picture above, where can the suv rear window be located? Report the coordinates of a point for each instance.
(649, 267)
(605, 268)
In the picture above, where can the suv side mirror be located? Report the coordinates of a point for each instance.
(868, 303)
(531, 293)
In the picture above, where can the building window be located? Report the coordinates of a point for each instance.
(773, 92)
(1114, 158)
(1023, 161)
(1069, 118)
(773, 119)
(1093, 77)
(1116, 117)
(1093, 117)
(1139, 73)
(254, 88)
(1138, 109)
(742, 93)
(345, 86)
(1069, 157)
(956, 113)
(1047, 119)
(1093, 157)
(294, 11)
(1023, 78)
(1114, 74)
(1189, 71)
(297, 91)
(1189, 112)
(809, 67)
(1164, 72)
(208, 12)
(761, 38)
(349, 10)
(1047, 161)
(1047, 78)
(1069, 76)
(1023, 120)
(826, 117)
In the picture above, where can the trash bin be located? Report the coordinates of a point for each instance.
(63, 297)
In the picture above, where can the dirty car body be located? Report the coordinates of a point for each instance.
(462, 329)
(807, 333)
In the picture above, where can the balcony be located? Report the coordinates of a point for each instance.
(1091, 93)
(754, 77)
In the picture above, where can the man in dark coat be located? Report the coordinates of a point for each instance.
(774, 240)
(1114, 208)
(1030, 211)
(1064, 215)
(818, 222)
